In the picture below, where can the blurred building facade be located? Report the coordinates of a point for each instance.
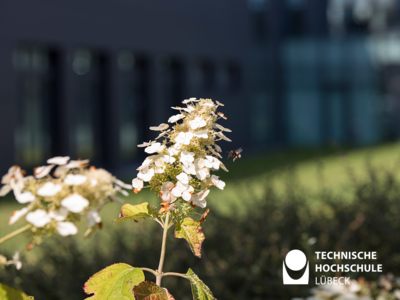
(87, 79)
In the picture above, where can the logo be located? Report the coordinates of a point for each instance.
(295, 260)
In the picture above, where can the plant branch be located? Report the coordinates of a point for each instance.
(15, 233)
(150, 270)
(162, 256)
(175, 274)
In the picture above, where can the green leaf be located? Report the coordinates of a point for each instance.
(114, 282)
(199, 290)
(9, 293)
(130, 212)
(148, 290)
(190, 230)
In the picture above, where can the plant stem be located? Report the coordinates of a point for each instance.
(164, 240)
(175, 274)
(150, 270)
(15, 233)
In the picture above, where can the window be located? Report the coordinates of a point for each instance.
(36, 69)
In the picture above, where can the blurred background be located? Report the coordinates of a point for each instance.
(312, 94)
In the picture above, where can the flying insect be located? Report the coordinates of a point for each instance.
(235, 154)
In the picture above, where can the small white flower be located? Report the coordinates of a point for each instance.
(189, 168)
(72, 179)
(160, 127)
(60, 171)
(42, 171)
(183, 190)
(183, 178)
(199, 199)
(49, 189)
(93, 217)
(177, 146)
(165, 193)
(186, 157)
(202, 173)
(211, 162)
(145, 144)
(159, 170)
(24, 197)
(198, 122)
(16, 261)
(16, 215)
(146, 174)
(66, 228)
(186, 101)
(172, 151)
(184, 138)
(169, 159)
(75, 203)
(222, 128)
(93, 182)
(223, 137)
(201, 134)
(59, 214)
(137, 183)
(74, 164)
(172, 207)
(156, 147)
(147, 162)
(213, 151)
(38, 218)
(175, 118)
(217, 182)
(189, 109)
(207, 104)
(5, 189)
(219, 103)
(223, 167)
(58, 160)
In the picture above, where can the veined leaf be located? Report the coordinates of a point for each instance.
(148, 290)
(190, 230)
(135, 212)
(9, 293)
(199, 290)
(114, 283)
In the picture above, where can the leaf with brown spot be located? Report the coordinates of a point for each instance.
(199, 290)
(148, 290)
(190, 230)
(114, 283)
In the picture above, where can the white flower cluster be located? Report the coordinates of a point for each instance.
(15, 261)
(179, 166)
(56, 202)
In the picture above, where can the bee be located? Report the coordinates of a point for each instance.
(235, 154)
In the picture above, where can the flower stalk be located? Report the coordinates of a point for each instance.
(163, 247)
(15, 233)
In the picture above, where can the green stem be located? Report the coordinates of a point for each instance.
(175, 274)
(15, 233)
(162, 256)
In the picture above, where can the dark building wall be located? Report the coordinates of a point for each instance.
(174, 38)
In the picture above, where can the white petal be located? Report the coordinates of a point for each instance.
(5, 189)
(49, 189)
(38, 218)
(59, 214)
(202, 173)
(160, 127)
(201, 134)
(66, 228)
(93, 217)
(137, 183)
(146, 174)
(175, 118)
(123, 184)
(189, 168)
(42, 171)
(72, 179)
(16, 215)
(183, 178)
(58, 160)
(24, 197)
(75, 203)
(74, 164)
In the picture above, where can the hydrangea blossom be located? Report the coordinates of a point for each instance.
(56, 200)
(179, 169)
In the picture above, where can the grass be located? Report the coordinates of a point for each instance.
(315, 168)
